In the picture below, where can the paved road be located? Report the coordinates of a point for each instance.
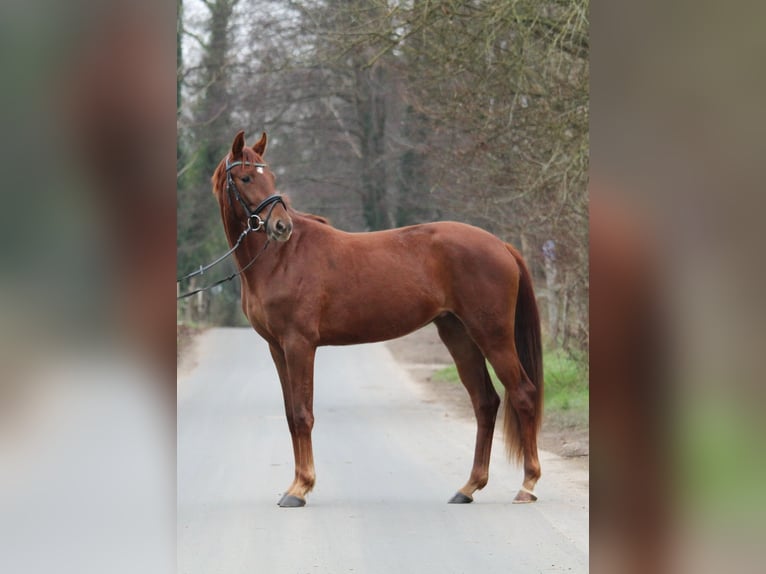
(387, 458)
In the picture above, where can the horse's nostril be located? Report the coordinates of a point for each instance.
(280, 226)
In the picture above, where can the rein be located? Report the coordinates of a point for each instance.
(252, 215)
(225, 279)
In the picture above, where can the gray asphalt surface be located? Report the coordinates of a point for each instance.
(387, 456)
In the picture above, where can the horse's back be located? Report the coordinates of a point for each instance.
(460, 250)
(437, 253)
(426, 237)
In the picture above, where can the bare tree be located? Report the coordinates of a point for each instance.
(384, 114)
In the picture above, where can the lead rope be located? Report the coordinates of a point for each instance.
(248, 229)
(230, 277)
(203, 268)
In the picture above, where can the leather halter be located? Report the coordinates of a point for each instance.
(250, 226)
(252, 214)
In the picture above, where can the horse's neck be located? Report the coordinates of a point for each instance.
(233, 231)
(252, 244)
(234, 228)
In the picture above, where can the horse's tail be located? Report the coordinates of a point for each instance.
(530, 351)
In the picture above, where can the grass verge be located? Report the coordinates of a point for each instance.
(566, 384)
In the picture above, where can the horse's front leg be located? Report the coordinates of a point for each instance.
(295, 364)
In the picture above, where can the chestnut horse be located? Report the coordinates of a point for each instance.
(306, 284)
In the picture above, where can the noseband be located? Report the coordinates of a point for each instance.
(254, 221)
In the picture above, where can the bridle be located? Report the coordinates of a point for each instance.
(253, 214)
(252, 223)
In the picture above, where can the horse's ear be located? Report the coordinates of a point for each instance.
(260, 146)
(238, 144)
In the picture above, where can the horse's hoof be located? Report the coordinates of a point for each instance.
(290, 501)
(460, 498)
(524, 496)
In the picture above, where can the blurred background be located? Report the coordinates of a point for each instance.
(87, 258)
(677, 333)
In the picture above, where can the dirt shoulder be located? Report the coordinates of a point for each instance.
(422, 354)
(186, 342)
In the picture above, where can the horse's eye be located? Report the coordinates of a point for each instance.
(246, 178)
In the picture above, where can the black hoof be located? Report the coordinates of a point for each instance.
(290, 501)
(460, 498)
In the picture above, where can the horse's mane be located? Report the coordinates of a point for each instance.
(311, 216)
(318, 218)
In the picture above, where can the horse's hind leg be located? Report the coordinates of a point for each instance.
(473, 373)
(520, 416)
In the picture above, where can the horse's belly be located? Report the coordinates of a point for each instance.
(376, 320)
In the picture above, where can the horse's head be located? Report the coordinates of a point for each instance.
(250, 186)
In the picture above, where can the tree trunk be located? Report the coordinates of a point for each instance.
(370, 106)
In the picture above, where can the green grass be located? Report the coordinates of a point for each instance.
(719, 459)
(566, 382)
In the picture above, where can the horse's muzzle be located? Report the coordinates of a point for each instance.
(280, 230)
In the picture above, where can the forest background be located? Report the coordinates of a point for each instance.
(383, 113)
